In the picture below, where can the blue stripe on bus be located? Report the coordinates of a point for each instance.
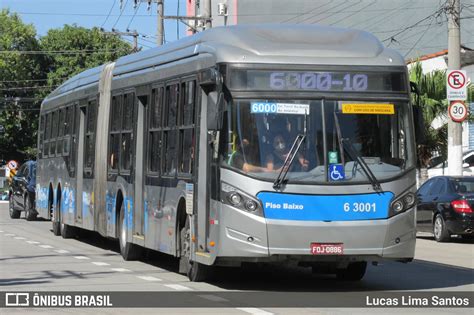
(325, 207)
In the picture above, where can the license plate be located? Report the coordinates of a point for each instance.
(327, 248)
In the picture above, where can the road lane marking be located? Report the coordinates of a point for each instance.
(149, 278)
(45, 246)
(178, 287)
(253, 311)
(213, 298)
(100, 263)
(9, 234)
(120, 270)
(81, 257)
(32, 242)
(62, 251)
(1, 231)
(20, 238)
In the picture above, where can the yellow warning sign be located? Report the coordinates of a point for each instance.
(368, 108)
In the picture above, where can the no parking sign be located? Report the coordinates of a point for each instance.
(456, 85)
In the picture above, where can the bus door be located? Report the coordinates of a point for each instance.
(141, 102)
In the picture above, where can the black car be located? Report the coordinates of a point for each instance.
(22, 192)
(445, 207)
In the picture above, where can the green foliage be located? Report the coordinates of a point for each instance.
(432, 88)
(96, 48)
(19, 75)
(66, 52)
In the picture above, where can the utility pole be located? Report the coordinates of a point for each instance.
(206, 16)
(454, 63)
(134, 34)
(160, 27)
(206, 13)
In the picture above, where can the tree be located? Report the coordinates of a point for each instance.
(432, 88)
(21, 72)
(73, 49)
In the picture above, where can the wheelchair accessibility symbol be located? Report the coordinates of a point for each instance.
(336, 172)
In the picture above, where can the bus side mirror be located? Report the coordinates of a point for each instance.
(420, 135)
(215, 108)
(419, 119)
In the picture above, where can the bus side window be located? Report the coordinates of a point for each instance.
(89, 143)
(115, 126)
(155, 130)
(54, 133)
(127, 131)
(186, 128)
(170, 132)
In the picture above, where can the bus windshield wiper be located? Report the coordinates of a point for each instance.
(289, 160)
(291, 155)
(355, 156)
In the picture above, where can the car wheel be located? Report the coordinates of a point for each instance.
(129, 251)
(30, 214)
(14, 214)
(441, 233)
(195, 271)
(353, 272)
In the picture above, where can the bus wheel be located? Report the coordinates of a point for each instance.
(195, 271)
(14, 214)
(55, 219)
(30, 214)
(67, 231)
(128, 250)
(354, 272)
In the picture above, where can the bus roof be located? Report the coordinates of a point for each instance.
(258, 43)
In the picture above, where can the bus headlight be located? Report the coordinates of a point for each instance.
(250, 205)
(234, 198)
(397, 206)
(240, 200)
(402, 203)
(409, 200)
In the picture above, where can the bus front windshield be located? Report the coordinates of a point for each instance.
(339, 136)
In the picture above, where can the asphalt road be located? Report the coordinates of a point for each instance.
(33, 259)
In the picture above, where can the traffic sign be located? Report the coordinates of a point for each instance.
(12, 164)
(456, 85)
(457, 111)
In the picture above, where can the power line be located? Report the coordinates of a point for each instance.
(437, 12)
(108, 15)
(419, 39)
(134, 14)
(60, 52)
(29, 88)
(120, 15)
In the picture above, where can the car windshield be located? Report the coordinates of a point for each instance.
(337, 136)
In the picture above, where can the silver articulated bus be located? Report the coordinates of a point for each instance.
(250, 143)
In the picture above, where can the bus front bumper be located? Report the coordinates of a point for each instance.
(248, 236)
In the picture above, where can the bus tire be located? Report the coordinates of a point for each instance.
(195, 271)
(440, 231)
(14, 214)
(353, 272)
(129, 251)
(30, 213)
(55, 219)
(67, 231)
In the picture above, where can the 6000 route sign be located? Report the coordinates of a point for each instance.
(456, 83)
(457, 111)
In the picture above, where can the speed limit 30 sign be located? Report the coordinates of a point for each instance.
(457, 111)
